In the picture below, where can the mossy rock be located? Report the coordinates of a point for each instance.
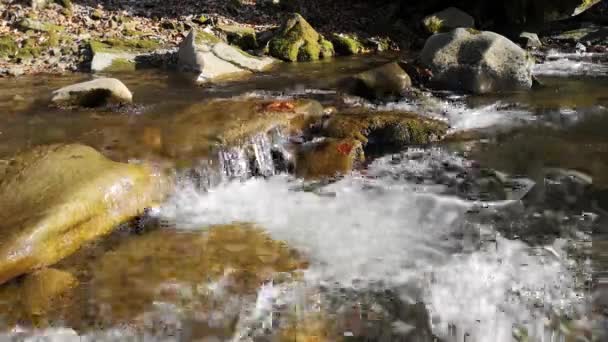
(178, 267)
(384, 129)
(243, 37)
(298, 41)
(347, 44)
(27, 24)
(8, 46)
(200, 129)
(328, 158)
(131, 45)
(36, 296)
(54, 199)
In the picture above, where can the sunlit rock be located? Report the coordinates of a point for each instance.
(297, 41)
(210, 59)
(54, 199)
(328, 158)
(384, 129)
(95, 93)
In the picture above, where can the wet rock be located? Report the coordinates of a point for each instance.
(54, 199)
(347, 44)
(589, 35)
(194, 271)
(211, 60)
(447, 20)
(243, 37)
(32, 298)
(200, 129)
(42, 289)
(384, 130)
(477, 62)
(328, 158)
(297, 41)
(98, 92)
(530, 40)
(114, 54)
(386, 81)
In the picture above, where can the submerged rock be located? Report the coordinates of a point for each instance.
(199, 129)
(95, 93)
(297, 41)
(477, 62)
(328, 158)
(34, 297)
(384, 129)
(212, 60)
(447, 20)
(54, 199)
(194, 271)
(386, 81)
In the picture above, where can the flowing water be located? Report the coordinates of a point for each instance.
(491, 238)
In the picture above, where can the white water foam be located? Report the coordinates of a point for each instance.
(573, 64)
(362, 231)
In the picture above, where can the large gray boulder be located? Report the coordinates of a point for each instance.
(476, 62)
(211, 59)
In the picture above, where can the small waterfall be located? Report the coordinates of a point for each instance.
(262, 155)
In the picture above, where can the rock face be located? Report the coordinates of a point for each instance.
(386, 81)
(297, 41)
(54, 199)
(199, 129)
(328, 158)
(120, 54)
(212, 60)
(384, 129)
(347, 44)
(98, 92)
(447, 20)
(476, 62)
(243, 37)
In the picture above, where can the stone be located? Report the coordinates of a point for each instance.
(384, 130)
(328, 158)
(476, 62)
(530, 40)
(31, 24)
(297, 41)
(56, 198)
(42, 289)
(115, 54)
(39, 4)
(386, 81)
(347, 44)
(447, 20)
(200, 129)
(241, 36)
(95, 93)
(212, 60)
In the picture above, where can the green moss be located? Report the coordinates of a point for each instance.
(433, 24)
(8, 47)
(387, 128)
(327, 48)
(243, 37)
(121, 64)
(347, 45)
(473, 31)
(204, 37)
(123, 45)
(298, 41)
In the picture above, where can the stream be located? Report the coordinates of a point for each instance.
(497, 235)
